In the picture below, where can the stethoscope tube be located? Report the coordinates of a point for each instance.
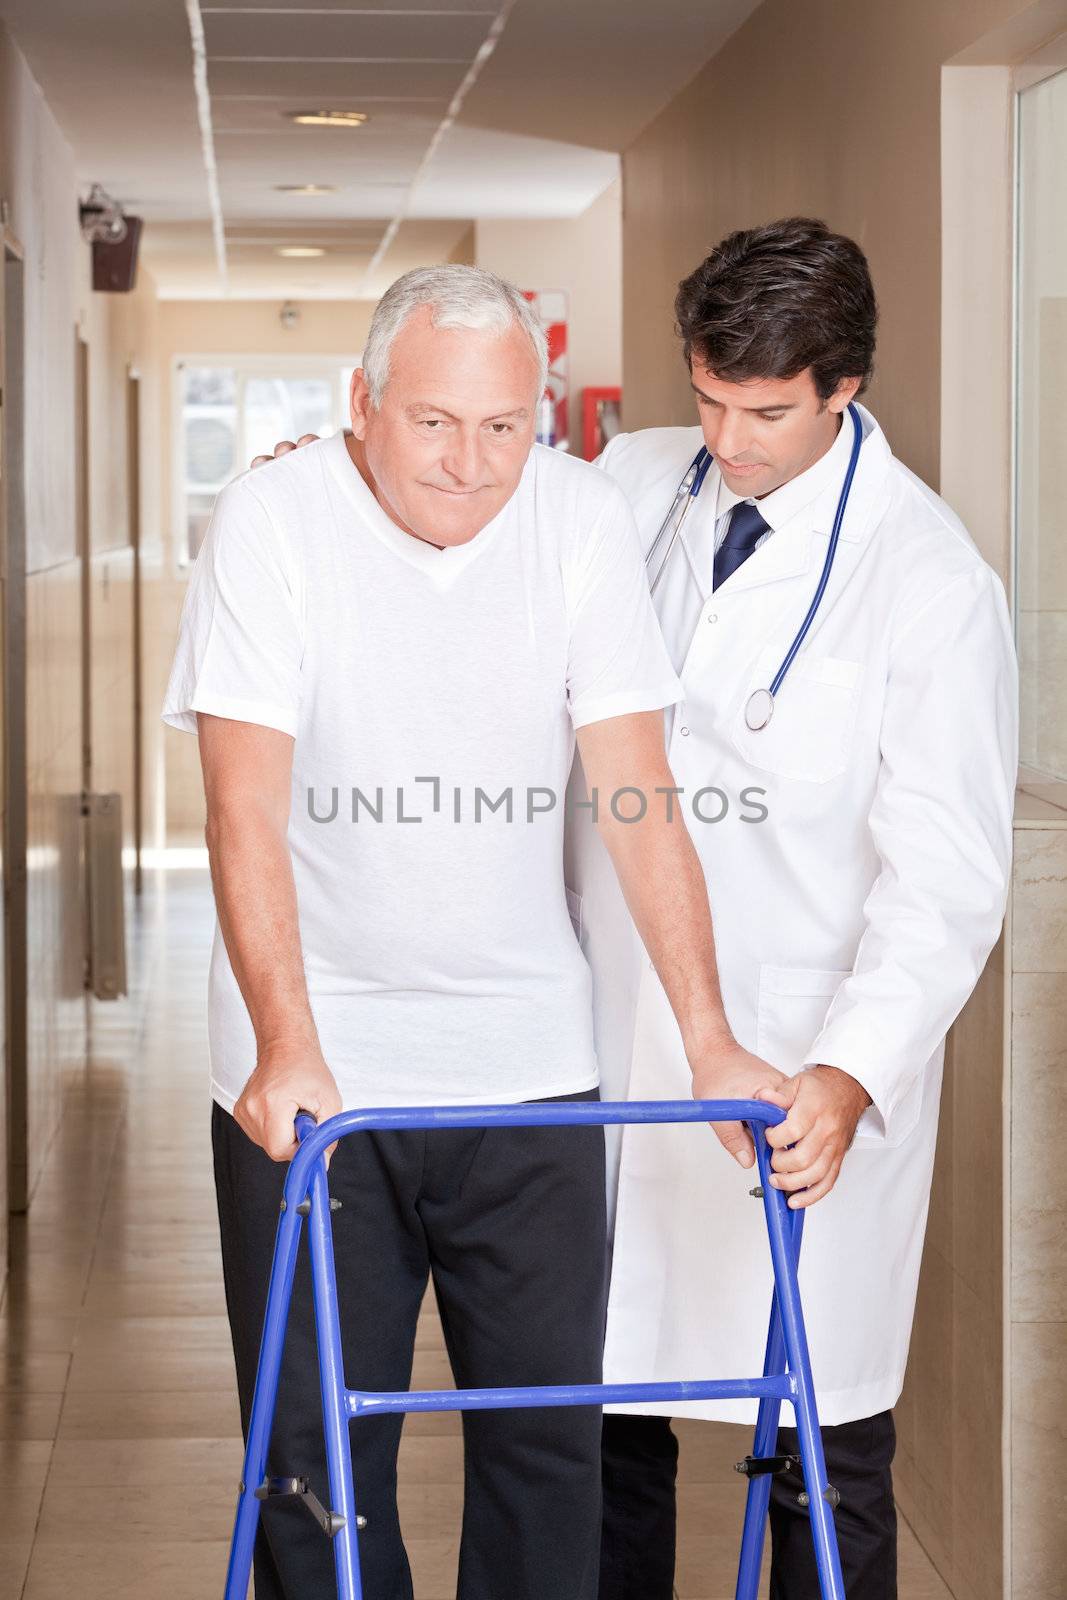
(831, 551)
(688, 490)
(759, 708)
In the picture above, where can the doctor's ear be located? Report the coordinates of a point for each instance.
(846, 391)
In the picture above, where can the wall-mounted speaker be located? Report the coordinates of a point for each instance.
(115, 265)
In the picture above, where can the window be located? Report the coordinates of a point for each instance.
(230, 411)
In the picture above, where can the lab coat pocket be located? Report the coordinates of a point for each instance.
(791, 1010)
(810, 733)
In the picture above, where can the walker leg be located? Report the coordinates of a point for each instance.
(279, 1293)
(779, 1230)
(765, 1444)
(335, 1418)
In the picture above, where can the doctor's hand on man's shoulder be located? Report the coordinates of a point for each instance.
(824, 1106)
(283, 447)
(724, 1070)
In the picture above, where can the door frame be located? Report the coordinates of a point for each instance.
(83, 552)
(133, 500)
(13, 770)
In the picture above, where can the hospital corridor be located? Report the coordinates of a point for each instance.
(792, 274)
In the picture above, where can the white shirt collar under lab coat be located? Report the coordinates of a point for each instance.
(782, 505)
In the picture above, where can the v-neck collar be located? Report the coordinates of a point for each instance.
(442, 566)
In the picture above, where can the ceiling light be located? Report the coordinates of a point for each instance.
(306, 188)
(328, 119)
(301, 250)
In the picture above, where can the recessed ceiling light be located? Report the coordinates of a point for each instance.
(301, 250)
(306, 188)
(328, 119)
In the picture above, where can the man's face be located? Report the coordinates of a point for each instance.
(447, 445)
(766, 431)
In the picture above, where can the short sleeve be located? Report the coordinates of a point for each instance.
(617, 660)
(240, 640)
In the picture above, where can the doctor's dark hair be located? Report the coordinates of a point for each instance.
(770, 302)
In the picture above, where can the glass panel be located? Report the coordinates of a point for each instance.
(1041, 454)
(284, 408)
(209, 437)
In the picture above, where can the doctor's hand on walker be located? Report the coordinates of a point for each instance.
(824, 1106)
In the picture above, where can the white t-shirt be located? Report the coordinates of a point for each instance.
(441, 962)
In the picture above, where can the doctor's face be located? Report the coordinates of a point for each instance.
(445, 450)
(766, 431)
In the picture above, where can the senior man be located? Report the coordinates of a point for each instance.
(389, 641)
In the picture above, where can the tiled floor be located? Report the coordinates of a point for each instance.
(119, 1441)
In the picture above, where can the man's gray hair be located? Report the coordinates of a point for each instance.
(458, 297)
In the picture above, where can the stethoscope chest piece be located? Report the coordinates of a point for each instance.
(759, 709)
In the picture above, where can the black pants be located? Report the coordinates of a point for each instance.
(640, 1467)
(511, 1225)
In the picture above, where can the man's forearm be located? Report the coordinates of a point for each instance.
(252, 876)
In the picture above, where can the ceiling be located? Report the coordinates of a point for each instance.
(475, 109)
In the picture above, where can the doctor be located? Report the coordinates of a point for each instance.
(853, 918)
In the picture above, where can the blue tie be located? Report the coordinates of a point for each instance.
(744, 532)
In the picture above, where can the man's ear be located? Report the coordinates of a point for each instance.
(359, 403)
(845, 392)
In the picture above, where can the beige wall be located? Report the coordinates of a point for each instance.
(463, 251)
(813, 108)
(217, 328)
(582, 256)
(37, 179)
(949, 1470)
(1036, 1378)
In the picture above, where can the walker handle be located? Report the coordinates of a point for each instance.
(555, 1113)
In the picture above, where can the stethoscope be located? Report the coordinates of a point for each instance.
(759, 707)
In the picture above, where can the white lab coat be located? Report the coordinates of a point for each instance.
(851, 925)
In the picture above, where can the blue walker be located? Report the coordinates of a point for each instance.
(786, 1369)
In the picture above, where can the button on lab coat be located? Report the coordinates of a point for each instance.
(851, 922)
